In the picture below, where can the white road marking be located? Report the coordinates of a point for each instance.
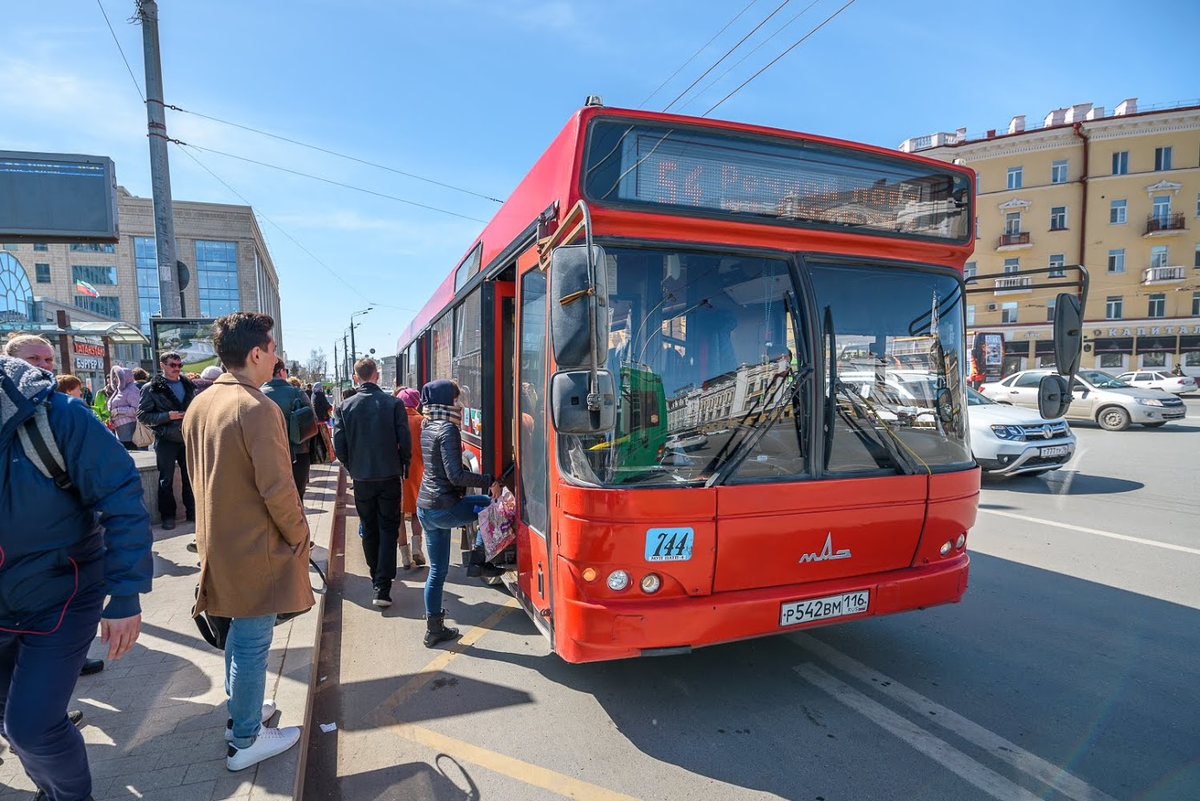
(1096, 531)
(936, 749)
(1005, 750)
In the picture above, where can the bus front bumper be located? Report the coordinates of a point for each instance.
(649, 626)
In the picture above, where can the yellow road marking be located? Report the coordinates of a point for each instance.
(514, 768)
(431, 670)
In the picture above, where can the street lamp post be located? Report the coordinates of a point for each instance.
(353, 347)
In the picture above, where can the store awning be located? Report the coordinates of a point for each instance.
(1113, 345)
(1189, 344)
(1156, 344)
(1043, 347)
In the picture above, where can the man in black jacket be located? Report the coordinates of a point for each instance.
(164, 401)
(288, 398)
(373, 442)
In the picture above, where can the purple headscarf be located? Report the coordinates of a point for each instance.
(410, 397)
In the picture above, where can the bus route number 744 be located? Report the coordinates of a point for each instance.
(669, 544)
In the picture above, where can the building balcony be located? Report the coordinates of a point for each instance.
(1014, 285)
(1165, 224)
(1015, 241)
(1163, 275)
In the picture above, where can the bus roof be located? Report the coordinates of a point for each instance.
(555, 178)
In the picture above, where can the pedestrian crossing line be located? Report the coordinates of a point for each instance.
(526, 772)
(426, 674)
(1032, 765)
(1139, 540)
(910, 733)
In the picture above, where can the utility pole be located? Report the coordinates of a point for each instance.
(337, 368)
(346, 357)
(160, 173)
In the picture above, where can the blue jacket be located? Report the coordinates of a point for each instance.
(97, 535)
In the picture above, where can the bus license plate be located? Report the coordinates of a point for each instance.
(1055, 450)
(850, 603)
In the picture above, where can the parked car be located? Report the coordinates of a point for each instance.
(1156, 379)
(1008, 441)
(1097, 396)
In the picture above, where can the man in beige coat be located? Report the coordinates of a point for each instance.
(251, 533)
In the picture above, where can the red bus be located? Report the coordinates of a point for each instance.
(652, 329)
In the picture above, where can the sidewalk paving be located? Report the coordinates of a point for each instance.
(154, 721)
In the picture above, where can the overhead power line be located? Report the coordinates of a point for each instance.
(727, 54)
(335, 153)
(293, 239)
(698, 52)
(781, 55)
(122, 51)
(326, 180)
(742, 60)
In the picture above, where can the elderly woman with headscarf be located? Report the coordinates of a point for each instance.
(413, 555)
(207, 376)
(123, 398)
(442, 502)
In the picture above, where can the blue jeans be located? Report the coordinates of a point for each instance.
(437, 524)
(37, 676)
(246, 649)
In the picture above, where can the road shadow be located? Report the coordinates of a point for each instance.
(412, 781)
(1063, 483)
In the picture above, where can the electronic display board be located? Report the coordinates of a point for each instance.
(57, 197)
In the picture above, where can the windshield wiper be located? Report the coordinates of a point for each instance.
(832, 409)
(750, 440)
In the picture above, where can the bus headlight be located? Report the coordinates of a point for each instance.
(947, 546)
(650, 583)
(961, 541)
(618, 580)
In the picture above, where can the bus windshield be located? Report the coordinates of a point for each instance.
(714, 371)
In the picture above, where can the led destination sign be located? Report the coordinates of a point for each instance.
(789, 181)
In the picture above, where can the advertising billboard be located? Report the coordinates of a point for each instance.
(57, 197)
(190, 337)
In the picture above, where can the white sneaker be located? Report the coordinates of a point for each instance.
(267, 711)
(268, 743)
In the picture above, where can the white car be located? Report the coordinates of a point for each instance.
(1008, 441)
(1096, 396)
(1155, 379)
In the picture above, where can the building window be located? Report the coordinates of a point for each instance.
(1112, 361)
(971, 311)
(1057, 261)
(91, 248)
(1116, 212)
(1162, 210)
(1191, 359)
(1197, 208)
(1014, 177)
(1012, 223)
(1058, 218)
(16, 294)
(1197, 262)
(1196, 304)
(1058, 172)
(1154, 360)
(1113, 307)
(970, 269)
(217, 278)
(43, 273)
(1120, 162)
(1050, 304)
(1157, 306)
(94, 274)
(1008, 313)
(107, 305)
(10, 246)
(42, 247)
(1012, 266)
(1158, 256)
(145, 259)
(1162, 158)
(1116, 260)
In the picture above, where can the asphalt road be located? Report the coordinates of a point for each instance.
(1071, 670)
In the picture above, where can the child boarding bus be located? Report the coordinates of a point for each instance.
(650, 332)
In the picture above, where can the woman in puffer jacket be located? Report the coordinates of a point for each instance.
(123, 398)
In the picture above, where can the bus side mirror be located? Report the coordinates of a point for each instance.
(576, 334)
(569, 410)
(1068, 334)
(1054, 396)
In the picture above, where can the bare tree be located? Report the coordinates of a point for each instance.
(314, 368)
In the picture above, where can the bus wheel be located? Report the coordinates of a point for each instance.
(1113, 418)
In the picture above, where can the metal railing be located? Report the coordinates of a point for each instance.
(1021, 238)
(1165, 222)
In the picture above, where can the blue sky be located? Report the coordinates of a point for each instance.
(469, 92)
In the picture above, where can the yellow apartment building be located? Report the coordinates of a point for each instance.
(1118, 193)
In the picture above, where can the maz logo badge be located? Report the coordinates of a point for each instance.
(827, 553)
